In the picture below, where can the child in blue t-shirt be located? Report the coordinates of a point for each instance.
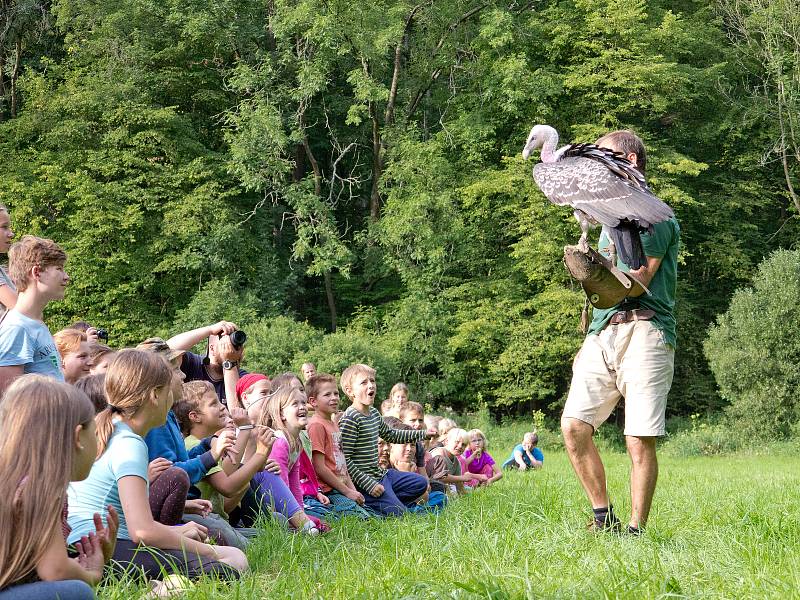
(526, 455)
(36, 265)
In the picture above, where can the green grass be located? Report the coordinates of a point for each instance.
(721, 527)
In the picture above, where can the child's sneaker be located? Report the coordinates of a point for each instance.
(309, 528)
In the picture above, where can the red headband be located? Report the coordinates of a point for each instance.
(247, 381)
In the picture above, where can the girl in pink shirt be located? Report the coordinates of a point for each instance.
(286, 413)
(478, 460)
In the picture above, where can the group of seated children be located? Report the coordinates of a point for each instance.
(155, 462)
(457, 461)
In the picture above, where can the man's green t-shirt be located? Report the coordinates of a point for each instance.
(663, 243)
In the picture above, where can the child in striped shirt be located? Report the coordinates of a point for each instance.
(386, 491)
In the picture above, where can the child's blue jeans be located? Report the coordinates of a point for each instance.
(399, 489)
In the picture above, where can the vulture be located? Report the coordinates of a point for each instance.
(603, 187)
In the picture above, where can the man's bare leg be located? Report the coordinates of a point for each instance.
(644, 474)
(585, 460)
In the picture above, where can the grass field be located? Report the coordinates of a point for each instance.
(721, 527)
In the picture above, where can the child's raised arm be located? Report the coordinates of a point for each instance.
(402, 436)
(236, 482)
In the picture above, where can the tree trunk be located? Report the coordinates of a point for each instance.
(378, 145)
(331, 299)
(318, 191)
(2, 85)
(377, 165)
(14, 77)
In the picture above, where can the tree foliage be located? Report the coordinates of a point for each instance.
(344, 180)
(754, 349)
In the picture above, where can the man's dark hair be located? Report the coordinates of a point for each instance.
(626, 142)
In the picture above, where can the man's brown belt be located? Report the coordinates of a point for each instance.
(626, 316)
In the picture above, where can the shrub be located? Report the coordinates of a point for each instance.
(754, 350)
(705, 438)
(279, 344)
(337, 351)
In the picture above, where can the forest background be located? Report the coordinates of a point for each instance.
(343, 180)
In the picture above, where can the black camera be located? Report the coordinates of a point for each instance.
(238, 338)
(102, 334)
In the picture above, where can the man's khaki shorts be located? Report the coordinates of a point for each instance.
(629, 360)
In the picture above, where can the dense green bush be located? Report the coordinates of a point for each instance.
(754, 349)
(336, 351)
(279, 344)
(705, 437)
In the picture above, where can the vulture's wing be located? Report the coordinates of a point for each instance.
(599, 183)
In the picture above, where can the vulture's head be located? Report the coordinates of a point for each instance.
(537, 138)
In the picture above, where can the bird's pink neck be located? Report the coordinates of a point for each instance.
(549, 150)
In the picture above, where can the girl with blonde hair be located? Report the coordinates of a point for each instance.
(286, 414)
(479, 461)
(138, 387)
(47, 438)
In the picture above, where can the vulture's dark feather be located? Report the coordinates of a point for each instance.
(608, 189)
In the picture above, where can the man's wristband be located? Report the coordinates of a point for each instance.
(246, 427)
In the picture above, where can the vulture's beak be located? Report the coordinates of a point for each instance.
(530, 146)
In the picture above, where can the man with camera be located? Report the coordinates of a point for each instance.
(220, 365)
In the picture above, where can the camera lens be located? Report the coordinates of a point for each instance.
(102, 334)
(238, 338)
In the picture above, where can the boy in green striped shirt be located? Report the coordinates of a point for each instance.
(386, 491)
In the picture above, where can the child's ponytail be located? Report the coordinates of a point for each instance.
(133, 377)
(104, 427)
